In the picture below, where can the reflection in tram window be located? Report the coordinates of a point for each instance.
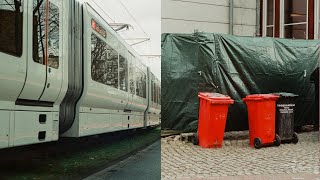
(157, 93)
(160, 95)
(154, 91)
(141, 84)
(104, 66)
(153, 88)
(131, 78)
(53, 36)
(40, 30)
(156, 100)
(123, 73)
(11, 19)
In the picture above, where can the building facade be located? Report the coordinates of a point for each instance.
(298, 19)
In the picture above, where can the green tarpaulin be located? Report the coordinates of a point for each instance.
(235, 66)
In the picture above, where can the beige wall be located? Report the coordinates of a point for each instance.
(184, 16)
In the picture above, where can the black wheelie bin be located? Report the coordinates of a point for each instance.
(285, 117)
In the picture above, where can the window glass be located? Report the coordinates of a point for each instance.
(270, 18)
(53, 36)
(296, 31)
(112, 67)
(270, 10)
(152, 88)
(295, 11)
(131, 77)
(295, 19)
(104, 62)
(140, 83)
(123, 73)
(11, 22)
(160, 95)
(157, 91)
(40, 30)
(269, 32)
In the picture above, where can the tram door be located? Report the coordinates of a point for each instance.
(44, 59)
(13, 20)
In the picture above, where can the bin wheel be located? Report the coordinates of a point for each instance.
(257, 143)
(195, 139)
(277, 140)
(295, 138)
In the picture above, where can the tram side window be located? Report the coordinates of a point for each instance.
(53, 36)
(41, 29)
(131, 78)
(11, 25)
(160, 95)
(156, 98)
(155, 92)
(141, 84)
(104, 65)
(152, 93)
(39, 45)
(144, 85)
(123, 73)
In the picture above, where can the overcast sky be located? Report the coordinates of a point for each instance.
(144, 17)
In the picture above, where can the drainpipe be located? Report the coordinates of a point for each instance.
(231, 17)
(258, 17)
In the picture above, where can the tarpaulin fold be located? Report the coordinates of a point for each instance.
(234, 66)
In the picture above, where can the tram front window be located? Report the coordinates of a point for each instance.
(11, 22)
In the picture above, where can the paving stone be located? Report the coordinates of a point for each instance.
(237, 159)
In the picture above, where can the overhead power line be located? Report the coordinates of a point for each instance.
(103, 11)
(133, 18)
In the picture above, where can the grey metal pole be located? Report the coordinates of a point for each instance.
(258, 18)
(231, 17)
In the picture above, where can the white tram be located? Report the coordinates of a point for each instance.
(65, 72)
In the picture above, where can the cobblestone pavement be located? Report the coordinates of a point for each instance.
(236, 160)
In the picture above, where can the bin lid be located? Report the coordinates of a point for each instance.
(258, 97)
(213, 96)
(285, 94)
(216, 98)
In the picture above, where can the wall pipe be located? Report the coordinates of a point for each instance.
(231, 17)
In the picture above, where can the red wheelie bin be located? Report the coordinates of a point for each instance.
(212, 119)
(261, 116)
